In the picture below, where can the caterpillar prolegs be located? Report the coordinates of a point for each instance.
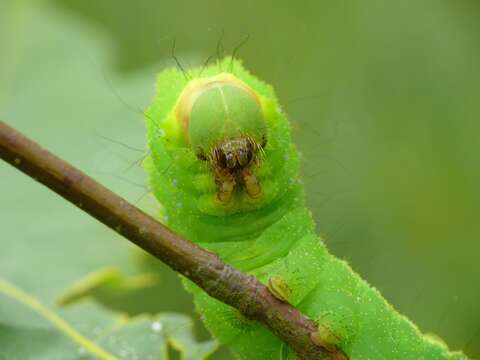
(225, 170)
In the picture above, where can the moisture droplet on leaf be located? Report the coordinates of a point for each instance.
(157, 326)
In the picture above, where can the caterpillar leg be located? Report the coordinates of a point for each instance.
(279, 288)
(329, 333)
(292, 277)
(247, 339)
(252, 185)
(226, 184)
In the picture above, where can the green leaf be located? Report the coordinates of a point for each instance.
(146, 337)
(141, 337)
(54, 81)
(112, 289)
(19, 342)
(120, 293)
(42, 339)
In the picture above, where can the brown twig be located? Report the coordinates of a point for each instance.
(218, 279)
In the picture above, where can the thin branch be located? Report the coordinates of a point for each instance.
(205, 268)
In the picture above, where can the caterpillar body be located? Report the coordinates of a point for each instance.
(224, 168)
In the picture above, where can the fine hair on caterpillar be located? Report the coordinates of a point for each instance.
(220, 49)
(178, 63)
(219, 54)
(144, 152)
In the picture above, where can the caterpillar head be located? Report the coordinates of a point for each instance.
(220, 145)
(222, 120)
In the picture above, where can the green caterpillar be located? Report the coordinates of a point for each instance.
(225, 170)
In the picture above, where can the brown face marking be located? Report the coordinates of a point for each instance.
(232, 161)
(234, 153)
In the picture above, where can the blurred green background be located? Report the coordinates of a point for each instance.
(384, 101)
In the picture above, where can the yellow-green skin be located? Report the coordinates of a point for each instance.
(272, 237)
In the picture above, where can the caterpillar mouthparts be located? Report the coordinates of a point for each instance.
(232, 160)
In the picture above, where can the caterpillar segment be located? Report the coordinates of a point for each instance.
(224, 168)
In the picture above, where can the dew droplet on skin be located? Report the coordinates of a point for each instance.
(174, 182)
(157, 326)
